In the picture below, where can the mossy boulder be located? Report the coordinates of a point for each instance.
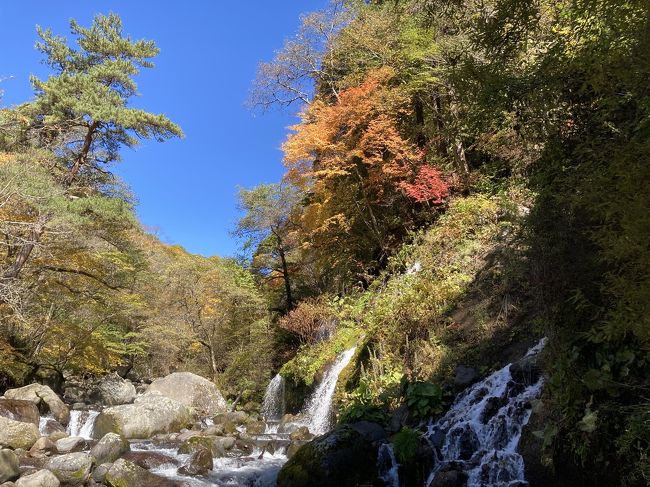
(342, 458)
(17, 434)
(196, 443)
(126, 474)
(111, 447)
(71, 469)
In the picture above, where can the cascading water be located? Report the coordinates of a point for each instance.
(387, 465)
(480, 433)
(273, 405)
(317, 410)
(82, 423)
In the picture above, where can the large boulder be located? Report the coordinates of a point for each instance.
(342, 457)
(148, 416)
(109, 448)
(191, 390)
(44, 397)
(71, 469)
(70, 444)
(112, 390)
(126, 474)
(25, 411)
(9, 466)
(41, 478)
(16, 434)
(150, 459)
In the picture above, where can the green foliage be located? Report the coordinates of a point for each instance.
(424, 399)
(405, 444)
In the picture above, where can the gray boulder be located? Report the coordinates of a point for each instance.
(25, 411)
(42, 395)
(109, 448)
(149, 415)
(70, 444)
(464, 376)
(9, 469)
(112, 390)
(200, 463)
(16, 434)
(72, 468)
(41, 478)
(42, 446)
(191, 390)
(126, 474)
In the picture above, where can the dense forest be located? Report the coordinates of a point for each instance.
(464, 178)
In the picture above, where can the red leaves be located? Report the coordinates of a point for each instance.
(428, 186)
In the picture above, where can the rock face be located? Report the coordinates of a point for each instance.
(71, 469)
(112, 390)
(191, 390)
(109, 448)
(8, 466)
(16, 434)
(342, 457)
(126, 474)
(42, 395)
(25, 411)
(149, 415)
(42, 478)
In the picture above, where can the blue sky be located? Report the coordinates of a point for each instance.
(209, 54)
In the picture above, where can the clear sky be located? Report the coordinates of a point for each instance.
(209, 54)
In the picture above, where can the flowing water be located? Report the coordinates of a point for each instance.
(273, 405)
(318, 409)
(387, 465)
(480, 433)
(82, 423)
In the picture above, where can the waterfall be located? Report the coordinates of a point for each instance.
(273, 406)
(82, 423)
(480, 433)
(42, 423)
(317, 410)
(387, 465)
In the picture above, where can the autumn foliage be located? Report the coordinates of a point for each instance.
(428, 187)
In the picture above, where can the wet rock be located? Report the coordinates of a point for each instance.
(149, 459)
(70, 444)
(453, 477)
(197, 443)
(214, 430)
(109, 448)
(200, 463)
(16, 434)
(148, 416)
(301, 434)
(399, 418)
(492, 406)
(112, 390)
(256, 428)
(464, 376)
(126, 474)
(43, 445)
(369, 430)
(9, 466)
(186, 435)
(40, 478)
(466, 441)
(227, 442)
(234, 417)
(72, 468)
(19, 410)
(342, 457)
(191, 390)
(44, 397)
(53, 426)
(525, 371)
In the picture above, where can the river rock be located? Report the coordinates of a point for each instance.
(16, 434)
(52, 426)
(301, 434)
(126, 474)
(150, 459)
(9, 467)
(72, 468)
(450, 476)
(43, 446)
(112, 390)
(42, 395)
(109, 448)
(342, 457)
(99, 473)
(191, 390)
(70, 444)
(41, 478)
(149, 415)
(256, 427)
(18, 410)
(200, 463)
(234, 417)
(196, 443)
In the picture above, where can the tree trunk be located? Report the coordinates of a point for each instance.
(285, 276)
(25, 251)
(82, 158)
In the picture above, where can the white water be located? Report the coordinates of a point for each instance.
(387, 465)
(483, 427)
(82, 423)
(317, 411)
(42, 422)
(273, 406)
